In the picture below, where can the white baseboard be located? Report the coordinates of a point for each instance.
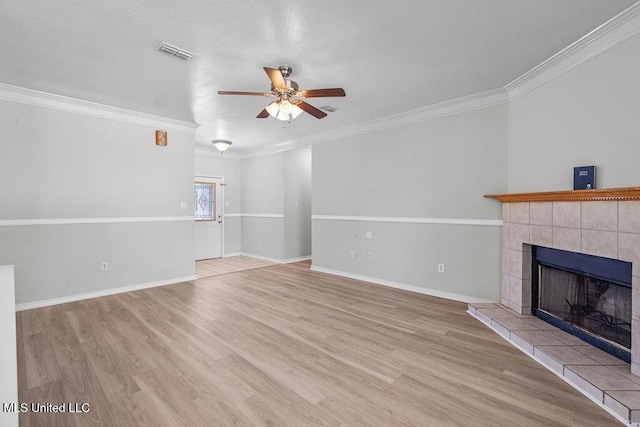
(96, 294)
(276, 260)
(403, 286)
(263, 258)
(231, 254)
(292, 260)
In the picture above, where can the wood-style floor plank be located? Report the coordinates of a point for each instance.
(282, 346)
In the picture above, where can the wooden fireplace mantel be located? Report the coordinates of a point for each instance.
(598, 194)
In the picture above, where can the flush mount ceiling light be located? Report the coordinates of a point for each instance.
(221, 144)
(175, 51)
(290, 103)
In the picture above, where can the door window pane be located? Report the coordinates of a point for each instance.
(205, 201)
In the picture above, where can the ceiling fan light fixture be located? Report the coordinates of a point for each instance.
(221, 144)
(283, 110)
(290, 100)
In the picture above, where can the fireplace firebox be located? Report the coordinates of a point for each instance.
(585, 295)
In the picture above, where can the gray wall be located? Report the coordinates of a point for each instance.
(433, 169)
(297, 203)
(587, 116)
(228, 167)
(272, 185)
(69, 166)
(263, 194)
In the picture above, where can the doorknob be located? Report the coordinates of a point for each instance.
(219, 219)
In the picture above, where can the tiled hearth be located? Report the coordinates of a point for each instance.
(603, 223)
(597, 374)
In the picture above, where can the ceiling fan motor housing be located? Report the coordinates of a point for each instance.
(286, 71)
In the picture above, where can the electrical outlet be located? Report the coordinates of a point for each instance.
(105, 266)
(369, 255)
(440, 268)
(368, 235)
(184, 205)
(352, 254)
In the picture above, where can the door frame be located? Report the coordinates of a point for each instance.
(219, 196)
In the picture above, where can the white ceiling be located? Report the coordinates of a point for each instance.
(390, 56)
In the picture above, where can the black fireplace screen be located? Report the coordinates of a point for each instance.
(598, 306)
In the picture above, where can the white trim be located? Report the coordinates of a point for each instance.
(67, 221)
(448, 221)
(269, 259)
(562, 377)
(102, 293)
(256, 215)
(261, 215)
(292, 260)
(8, 347)
(263, 258)
(613, 32)
(403, 286)
(71, 105)
(447, 108)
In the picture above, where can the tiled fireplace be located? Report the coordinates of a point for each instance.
(601, 223)
(608, 229)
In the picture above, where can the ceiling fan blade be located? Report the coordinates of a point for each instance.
(318, 114)
(230, 92)
(319, 93)
(263, 114)
(276, 78)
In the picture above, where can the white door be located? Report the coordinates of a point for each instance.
(208, 195)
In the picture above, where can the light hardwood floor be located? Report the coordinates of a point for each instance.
(217, 266)
(283, 346)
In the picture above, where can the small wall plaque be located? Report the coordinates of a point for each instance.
(584, 178)
(161, 138)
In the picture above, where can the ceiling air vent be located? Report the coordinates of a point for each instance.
(176, 51)
(329, 108)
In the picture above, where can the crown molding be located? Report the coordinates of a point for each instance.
(613, 32)
(443, 109)
(71, 105)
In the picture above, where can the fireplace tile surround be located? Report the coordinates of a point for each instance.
(603, 228)
(600, 222)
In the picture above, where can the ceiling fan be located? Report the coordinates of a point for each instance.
(289, 103)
